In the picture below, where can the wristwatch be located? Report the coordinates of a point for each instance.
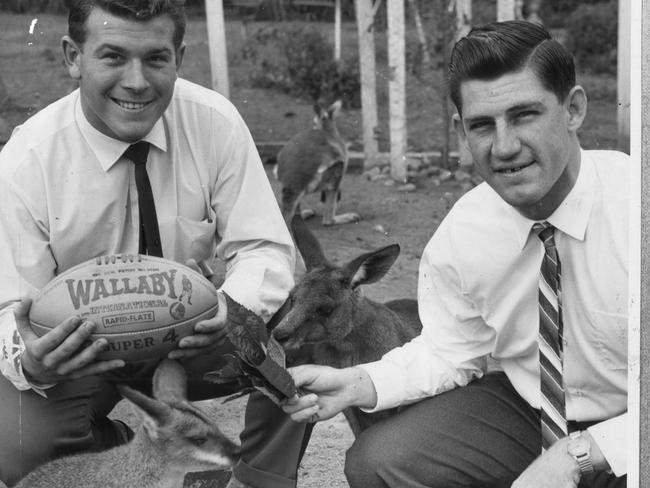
(580, 449)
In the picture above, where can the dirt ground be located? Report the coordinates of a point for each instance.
(30, 66)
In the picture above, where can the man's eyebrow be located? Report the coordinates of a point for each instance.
(120, 49)
(525, 106)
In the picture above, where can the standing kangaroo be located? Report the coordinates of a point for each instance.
(314, 160)
(327, 321)
(175, 438)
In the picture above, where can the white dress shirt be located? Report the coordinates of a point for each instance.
(478, 298)
(67, 195)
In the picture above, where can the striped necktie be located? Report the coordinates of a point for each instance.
(553, 419)
(149, 233)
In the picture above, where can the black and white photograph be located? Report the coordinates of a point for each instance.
(324, 243)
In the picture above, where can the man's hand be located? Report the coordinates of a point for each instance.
(328, 391)
(556, 468)
(207, 333)
(60, 353)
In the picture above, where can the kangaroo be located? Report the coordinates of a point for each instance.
(314, 160)
(327, 321)
(174, 438)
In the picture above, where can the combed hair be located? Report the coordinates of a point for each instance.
(498, 48)
(139, 10)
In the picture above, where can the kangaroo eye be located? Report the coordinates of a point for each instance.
(198, 441)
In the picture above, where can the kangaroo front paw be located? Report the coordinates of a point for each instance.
(307, 213)
(345, 218)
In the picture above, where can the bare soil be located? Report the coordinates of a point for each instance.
(32, 73)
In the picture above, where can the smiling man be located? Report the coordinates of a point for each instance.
(70, 191)
(519, 376)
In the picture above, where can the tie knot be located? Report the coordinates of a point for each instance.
(545, 232)
(137, 152)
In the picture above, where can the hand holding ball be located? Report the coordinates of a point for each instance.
(142, 305)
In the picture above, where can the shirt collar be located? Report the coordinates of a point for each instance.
(572, 215)
(108, 150)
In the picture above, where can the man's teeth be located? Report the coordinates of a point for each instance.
(513, 170)
(131, 105)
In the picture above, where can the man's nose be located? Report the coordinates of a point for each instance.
(134, 77)
(506, 143)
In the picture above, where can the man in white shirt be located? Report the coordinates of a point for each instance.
(480, 295)
(68, 194)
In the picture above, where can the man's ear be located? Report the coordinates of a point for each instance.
(464, 154)
(72, 57)
(576, 107)
(180, 53)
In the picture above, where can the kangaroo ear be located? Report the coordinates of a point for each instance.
(334, 109)
(170, 382)
(153, 412)
(371, 266)
(309, 247)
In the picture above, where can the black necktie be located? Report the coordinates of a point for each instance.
(149, 235)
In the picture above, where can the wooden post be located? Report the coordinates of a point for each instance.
(505, 10)
(366, 32)
(216, 28)
(623, 75)
(397, 89)
(337, 30)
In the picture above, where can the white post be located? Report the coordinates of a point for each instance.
(463, 17)
(623, 75)
(505, 10)
(216, 28)
(397, 89)
(337, 30)
(366, 34)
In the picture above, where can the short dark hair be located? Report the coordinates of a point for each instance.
(139, 10)
(498, 48)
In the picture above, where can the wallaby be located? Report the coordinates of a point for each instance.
(327, 321)
(174, 438)
(314, 160)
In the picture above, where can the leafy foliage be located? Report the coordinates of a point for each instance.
(593, 36)
(300, 61)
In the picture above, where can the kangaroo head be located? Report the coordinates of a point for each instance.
(325, 118)
(182, 433)
(324, 307)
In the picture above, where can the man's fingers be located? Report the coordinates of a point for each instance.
(73, 358)
(306, 374)
(192, 264)
(297, 404)
(98, 368)
(21, 315)
(74, 328)
(306, 415)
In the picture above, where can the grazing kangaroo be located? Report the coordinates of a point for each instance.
(314, 160)
(327, 321)
(175, 438)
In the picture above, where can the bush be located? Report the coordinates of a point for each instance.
(593, 36)
(300, 61)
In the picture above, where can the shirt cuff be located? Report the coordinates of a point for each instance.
(610, 435)
(386, 382)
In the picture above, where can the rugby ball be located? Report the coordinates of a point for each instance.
(142, 305)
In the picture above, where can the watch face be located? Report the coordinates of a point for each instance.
(578, 446)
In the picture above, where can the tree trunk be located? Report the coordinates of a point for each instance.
(397, 89)
(422, 37)
(367, 70)
(505, 10)
(217, 46)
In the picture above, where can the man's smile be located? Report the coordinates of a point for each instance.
(513, 169)
(132, 106)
